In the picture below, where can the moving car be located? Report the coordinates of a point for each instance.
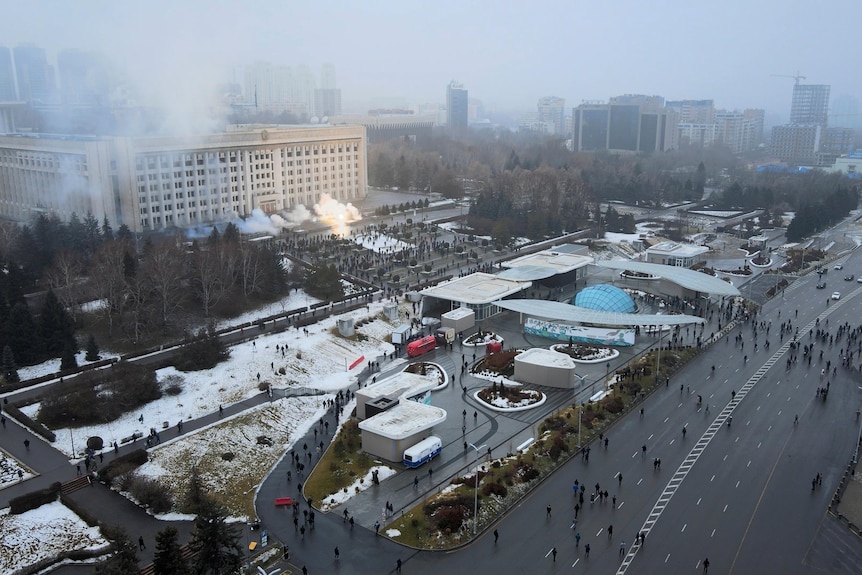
(822, 285)
(848, 278)
(836, 295)
(859, 280)
(839, 266)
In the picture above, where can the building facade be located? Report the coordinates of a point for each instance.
(156, 183)
(552, 110)
(457, 104)
(8, 93)
(810, 104)
(797, 145)
(630, 123)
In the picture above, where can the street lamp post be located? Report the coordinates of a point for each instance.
(476, 489)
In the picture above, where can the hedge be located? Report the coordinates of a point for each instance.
(122, 464)
(34, 499)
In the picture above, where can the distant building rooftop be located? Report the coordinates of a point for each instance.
(400, 383)
(677, 249)
(476, 289)
(555, 260)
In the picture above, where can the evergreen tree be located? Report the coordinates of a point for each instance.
(231, 234)
(107, 230)
(92, 349)
(92, 235)
(56, 329)
(67, 357)
(125, 560)
(10, 370)
(168, 559)
(215, 542)
(22, 336)
(125, 234)
(130, 266)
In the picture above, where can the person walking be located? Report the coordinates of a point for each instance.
(27, 444)
(622, 548)
(554, 554)
(496, 536)
(577, 539)
(548, 515)
(141, 545)
(610, 531)
(377, 528)
(587, 551)
(705, 566)
(398, 566)
(337, 554)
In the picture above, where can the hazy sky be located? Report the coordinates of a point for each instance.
(507, 53)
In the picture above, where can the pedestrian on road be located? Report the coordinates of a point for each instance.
(351, 522)
(554, 553)
(78, 469)
(220, 411)
(548, 515)
(416, 482)
(430, 473)
(337, 554)
(302, 532)
(643, 450)
(610, 531)
(620, 478)
(496, 536)
(587, 551)
(141, 545)
(27, 444)
(705, 566)
(577, 508)
(377, 528)
(577, 539)
(3, 420)
(622, 548)
(304, 570)
(398, 566)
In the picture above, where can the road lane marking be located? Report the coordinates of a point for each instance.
(671, 441)
(551, 550)
(749, 463)
(737, 484)
(698, 500)
(600, 531)
(650, 436)
(639, 481)
(666, 419)
(725, 458)
(576, 561)
(666, 558)
(725, 509)
(712, 479)
(683, 528)
(620, 506)
(713, 533)
(759, 444)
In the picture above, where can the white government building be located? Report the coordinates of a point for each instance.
(154, 183)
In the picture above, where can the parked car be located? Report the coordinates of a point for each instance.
(836, 295)
(859, 280)
(839, 266)
(849, 278)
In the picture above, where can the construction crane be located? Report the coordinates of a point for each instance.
(797, 77)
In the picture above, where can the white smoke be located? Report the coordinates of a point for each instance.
(258, 223)
(335, 214)
(298, 215)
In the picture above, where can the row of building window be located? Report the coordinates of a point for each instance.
(150, 162)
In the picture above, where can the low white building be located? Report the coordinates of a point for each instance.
(403, 385)
(676, 254)
(389, 433)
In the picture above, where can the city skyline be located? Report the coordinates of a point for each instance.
(507, 57)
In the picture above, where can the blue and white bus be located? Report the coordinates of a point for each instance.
(423, 451)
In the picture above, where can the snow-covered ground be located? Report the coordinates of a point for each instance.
(42, 533)
(361, 484)
(9, 470)
(53, 365)
(322, 365)
(381, 243)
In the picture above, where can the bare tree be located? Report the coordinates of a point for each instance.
(107, 276)
(206, 277)
(165, 269)
(64, 277)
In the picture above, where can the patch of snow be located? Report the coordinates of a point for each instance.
(361, 484)
(393, 532)
(42, 533)
(381, 243)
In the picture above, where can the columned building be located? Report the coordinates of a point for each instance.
(154, 183)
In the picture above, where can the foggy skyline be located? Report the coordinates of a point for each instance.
(507, 54)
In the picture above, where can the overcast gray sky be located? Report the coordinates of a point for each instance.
(507, 53)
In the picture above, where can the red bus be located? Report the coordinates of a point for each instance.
(421, 345)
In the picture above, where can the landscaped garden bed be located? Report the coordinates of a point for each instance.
(502, 397)
(432, 369)
(481, 338)
(585, 353)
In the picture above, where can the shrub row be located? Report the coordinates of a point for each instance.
(123, 464)
(34, 499)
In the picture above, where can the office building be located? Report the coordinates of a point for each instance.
(631, 123)
(810, 104)
(797, 145)
(275, 88)
(8, 93)
(457, 104)
(693, 111)
(154, 183)
(34, 76)
(740, 131)
(552, 110)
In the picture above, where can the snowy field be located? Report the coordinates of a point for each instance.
(42, 533)
(280, 423)
(9, 468)
(381, 243)
(322, 365)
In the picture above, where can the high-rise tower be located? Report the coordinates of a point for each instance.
(456, 106)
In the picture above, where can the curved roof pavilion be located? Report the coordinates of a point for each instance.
(560, 311)
(683, 277)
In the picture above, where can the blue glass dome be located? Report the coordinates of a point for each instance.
(605, 298)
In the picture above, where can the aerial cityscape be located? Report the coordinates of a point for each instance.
(471, 286)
